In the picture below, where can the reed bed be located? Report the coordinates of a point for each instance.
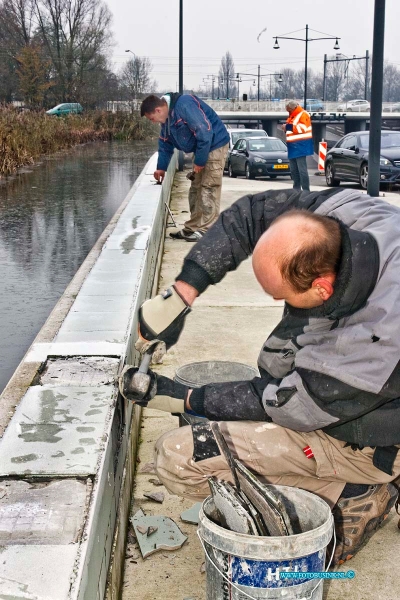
(24, 136)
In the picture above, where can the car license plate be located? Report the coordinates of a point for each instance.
(281, 166)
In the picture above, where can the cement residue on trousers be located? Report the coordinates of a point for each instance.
(228, 324)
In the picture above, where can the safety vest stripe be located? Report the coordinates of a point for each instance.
(301, 127)
(299, 136)
(297, 117)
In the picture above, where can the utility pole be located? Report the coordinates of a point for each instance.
(376, 99)
(305, 74)
(180, 154)
(258, 84)
(366, 75)
(324, 83)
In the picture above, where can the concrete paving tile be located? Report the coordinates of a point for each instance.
(101, 304)
(56, 431)
(43, 513)
(25, 572)
(108, 274)
(103, 288)
(96, 321)
(80, 371)
(63, 450)
(87, 336)
(40, 351)
(135, 239)
(64, 404)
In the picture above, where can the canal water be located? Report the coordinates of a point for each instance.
(50, 218)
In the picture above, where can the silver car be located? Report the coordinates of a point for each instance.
(355, 106)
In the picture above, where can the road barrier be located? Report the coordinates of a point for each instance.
(322, 156)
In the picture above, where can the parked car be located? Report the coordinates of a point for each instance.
(65, 109)
(258, 157)
(236, 134)
(348, 159)
(355, 106)
(314, 104)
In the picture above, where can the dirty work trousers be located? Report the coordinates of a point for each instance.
(274, 453)
(299, 173)
(205, 192)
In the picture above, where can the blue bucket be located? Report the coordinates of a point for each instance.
(240, 566)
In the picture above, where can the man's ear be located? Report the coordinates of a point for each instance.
(324, 286)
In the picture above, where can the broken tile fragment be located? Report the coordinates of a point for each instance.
(147, 468)
(156, 496)
(191, 515)
(203, 567)
(155, 482)
(167, 536)
(142, 530)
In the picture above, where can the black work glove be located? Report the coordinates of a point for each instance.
(137, 387)
(154, 385)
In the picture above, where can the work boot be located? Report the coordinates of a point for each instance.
(357, 518)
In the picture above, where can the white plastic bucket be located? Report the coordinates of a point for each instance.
(240, 566)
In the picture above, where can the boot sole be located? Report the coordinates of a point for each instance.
(372, 526)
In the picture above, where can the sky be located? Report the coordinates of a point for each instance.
(211, 27)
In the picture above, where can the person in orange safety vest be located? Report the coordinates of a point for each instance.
(299, 144)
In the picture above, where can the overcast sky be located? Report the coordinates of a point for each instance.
(211, 27)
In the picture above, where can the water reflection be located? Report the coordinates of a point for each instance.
(50, 218)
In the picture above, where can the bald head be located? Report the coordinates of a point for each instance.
(296, 259)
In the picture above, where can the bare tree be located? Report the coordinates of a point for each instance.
(135, 77)
(227, 87)
(336, 80)
(16, 31)
(76, 34)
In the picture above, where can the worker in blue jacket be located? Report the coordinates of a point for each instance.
(189, 124)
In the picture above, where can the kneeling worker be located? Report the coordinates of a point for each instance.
(189, 124)
(324, 414)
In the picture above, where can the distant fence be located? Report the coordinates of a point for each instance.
(123, 105)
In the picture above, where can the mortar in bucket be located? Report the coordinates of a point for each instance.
(240, 566)
(196, 374)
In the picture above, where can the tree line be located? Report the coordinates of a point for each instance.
(54, 51)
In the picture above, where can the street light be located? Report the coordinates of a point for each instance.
(306, 40)
(135, 72)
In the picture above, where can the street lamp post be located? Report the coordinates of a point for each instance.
(374, 152)
(306, 40)
(136, 90)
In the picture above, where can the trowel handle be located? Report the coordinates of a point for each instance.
(145, 364)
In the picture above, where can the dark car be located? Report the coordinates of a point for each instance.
(348, 159)
(258, 157)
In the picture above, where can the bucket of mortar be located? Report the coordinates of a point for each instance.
(240, 566)
(196, 374)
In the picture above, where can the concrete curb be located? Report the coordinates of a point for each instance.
(71, 441)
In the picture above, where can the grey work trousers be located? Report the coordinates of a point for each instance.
(299, 173)
(276, 454)
(205, 193)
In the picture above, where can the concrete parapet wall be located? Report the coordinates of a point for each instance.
(69, 448)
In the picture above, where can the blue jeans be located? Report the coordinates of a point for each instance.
(298, 170)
